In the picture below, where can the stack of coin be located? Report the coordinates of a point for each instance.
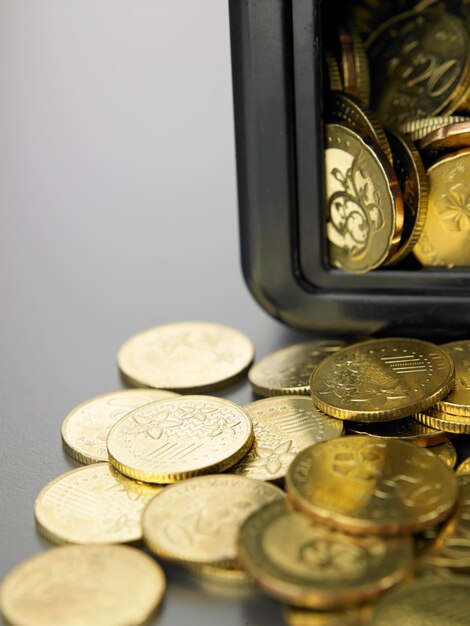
(397, 135)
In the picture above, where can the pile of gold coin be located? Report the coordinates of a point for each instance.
(334, 494)
(397, 134)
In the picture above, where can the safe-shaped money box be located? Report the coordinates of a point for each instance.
(277, 82)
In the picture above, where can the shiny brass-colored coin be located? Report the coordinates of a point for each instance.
(382, 379)
(94, 504)
(350, 616)
(372, 486)
(222, 576)
(314, 567)
(288, 370)
(459, 424)
(334, 73)
(406, 429)
(282, 427)
(346, 109)
(458, 7)
(446, 452)
(186, 356)
(83, 586)
(364, 202)
(420, 66)
(413, 181)
(444, 240)
(464, 467)
(445, 140)
(354, 66)
(458, 400)
(196, 522)
(451, 549)
(173, 439)
(86, 428)
(424, 602)
(418, 128)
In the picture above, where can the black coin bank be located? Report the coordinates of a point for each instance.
(277, 83)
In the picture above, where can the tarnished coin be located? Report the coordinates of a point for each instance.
(196, 522)
(444, 240)
(94, 504)
(86, 428)
(445, 140)
(353, 63)
(83, 586)
(311, 566)
(382, 379)
(459, 7)
(288, 370)
(420, 66)
(446, 452)
(282, 427)
(346, 109)
(186, 356)
(350, 616)
(364, 203)
(180, 437)
(406, 429)
(372, 486)
(424, 602)
(413, 181)
(418, 128)
(458, 400)
(451, 549)
(459, 424)
(464, 467)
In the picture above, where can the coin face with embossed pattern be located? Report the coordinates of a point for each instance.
(86, 428)
(364, 203)
(364, 485)
(312, 566)
(382, 379)
(186, 356)
(288, 371)
(282, 427)
(93, 504)
(420, 66)
(83, 586)
(180, 437)
(196, 522)
(458, 400)
(424, 602)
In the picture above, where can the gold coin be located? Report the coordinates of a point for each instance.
(196, 522)
(282, 427)
(413, 181)
(444, 140)
(222, 576)
(93, 504)
(288, 370)
(334, 74)
(354, 66)
(382, 379)
(351, 616)
(406, 429)
(425, 602)
(87, 426)
(451, 548)
(446, 452)
(186, 356)
(311, 566)
(364, 202)
(420, 66)
(458, 400)
(372, 486)
(444, 240)
(459, 7)
(445, 421)
(83, 586)
(173, 439)
(345, 109)
(464, 467)
(417, 129)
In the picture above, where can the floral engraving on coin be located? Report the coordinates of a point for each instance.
(354, 211)
(454, 208)
(334, 558)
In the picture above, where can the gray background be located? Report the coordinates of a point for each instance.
(118, 212)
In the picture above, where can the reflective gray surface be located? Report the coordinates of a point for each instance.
(118, 212)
